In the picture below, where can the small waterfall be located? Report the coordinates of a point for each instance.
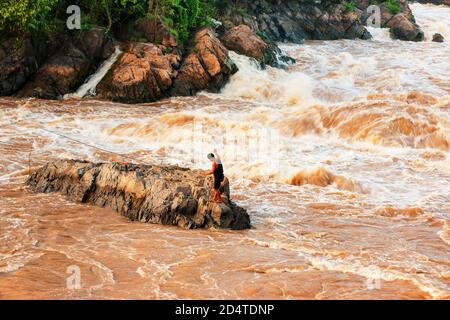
(88, 87)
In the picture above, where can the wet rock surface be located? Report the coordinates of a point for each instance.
(148, 72)
(207, 66)
(167, 195)
(296, 21)
(143, 73)
(437, 37)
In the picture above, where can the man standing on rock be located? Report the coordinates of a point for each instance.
(217, 171)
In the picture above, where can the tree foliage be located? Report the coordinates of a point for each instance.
(27, 15)
(181, 17)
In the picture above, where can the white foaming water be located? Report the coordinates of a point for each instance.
(271, 85)
(432, 19)
(371, 173)
(89, 86)
(379, 34)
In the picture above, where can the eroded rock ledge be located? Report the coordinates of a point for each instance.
(167, 195)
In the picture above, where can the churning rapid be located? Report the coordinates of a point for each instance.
(342, 162)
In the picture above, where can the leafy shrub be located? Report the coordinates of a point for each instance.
(181, 17)
(394, 6)
(27, 15)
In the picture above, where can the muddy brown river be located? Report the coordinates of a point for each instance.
(342, 162)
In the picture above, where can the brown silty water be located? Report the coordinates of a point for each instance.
(349, 200)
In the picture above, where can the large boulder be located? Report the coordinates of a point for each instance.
(68, 68)
(243, 40)
(148, 72)
(19, 60)
(143, 73)
(297, 20)
(401, 22)
(166, 195)
(437, 2)
(206, 67)
(403, 28)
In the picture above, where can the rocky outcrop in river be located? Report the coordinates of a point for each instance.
(160, 67)
(402, 24)
(299, 20)
(148, 72)
(436, 2)
(167, 195)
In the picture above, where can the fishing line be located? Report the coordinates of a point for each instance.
(92, 146)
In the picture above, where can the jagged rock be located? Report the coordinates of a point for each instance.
(437, 37)
(19, 60)
(68, 68)
(206, 67)
(298, 20)
(166, 195)
(143, 73)
(244, 41)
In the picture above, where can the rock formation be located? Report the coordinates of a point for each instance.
(166, 195)
(147, 72)
(298, 20)
(402, 24)
(154, 66)
(207, 66)
(437, 37)
(19, 60)
(68, 68)
(243, 40)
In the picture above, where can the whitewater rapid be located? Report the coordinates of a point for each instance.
(342, 161)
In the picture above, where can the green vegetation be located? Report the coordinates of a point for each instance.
(27, 15)
(393, 6)
(349, 6)
(181, 17)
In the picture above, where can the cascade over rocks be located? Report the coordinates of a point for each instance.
(167, 195)
(160, 67)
